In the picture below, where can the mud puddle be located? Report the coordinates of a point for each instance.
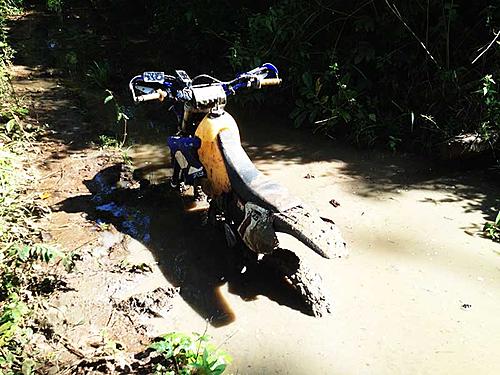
(417, 258)
(190, 253)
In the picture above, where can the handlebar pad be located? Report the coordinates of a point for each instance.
(270, 81)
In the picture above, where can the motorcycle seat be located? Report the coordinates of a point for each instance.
(247, 181)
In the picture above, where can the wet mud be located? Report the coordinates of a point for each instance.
(192, 254)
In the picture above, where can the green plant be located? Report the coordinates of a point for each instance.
(12, 318)
(17, 209)
(7, 9)
(20, 283)
(36, 252)
(127, 159)
(329, 101)
(14, 335)
(20, 254)
(105, 141)
(120, 115)
(490, 125)
(184, 354)
(109, 142)
(55, 6)
(492, 230)
(356, 70)
(23, 261)
(71, 61)
(98, 74)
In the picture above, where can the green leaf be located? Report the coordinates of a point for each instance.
(27, 367)
(296, 111)
(269, 24)
(6, 326)
(219, 369)
(10, 125)
(345, 115)
(159, 346)
(319, 85)
(108, 99)
(299, 120)
(22, 111)
(307, 79)
(313, 114)
(23, 253)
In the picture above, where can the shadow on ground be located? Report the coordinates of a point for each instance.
(191, 255)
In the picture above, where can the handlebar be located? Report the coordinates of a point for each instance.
(180, 88)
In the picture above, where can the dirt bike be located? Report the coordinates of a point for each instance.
(207, 154)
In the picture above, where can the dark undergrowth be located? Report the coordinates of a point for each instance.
(419, 76)
(412, 75)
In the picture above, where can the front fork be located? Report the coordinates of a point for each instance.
(177, 183)
(175, 180)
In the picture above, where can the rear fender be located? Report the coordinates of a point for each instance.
(308, 227)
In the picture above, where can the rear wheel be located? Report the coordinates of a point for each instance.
(307, 283)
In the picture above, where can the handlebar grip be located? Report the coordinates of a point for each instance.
(158, 95)
(270, 81)
(146, 97)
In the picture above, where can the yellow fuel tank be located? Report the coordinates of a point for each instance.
(210, 154)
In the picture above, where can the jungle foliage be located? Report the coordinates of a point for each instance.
(406, 74)
(412, 73)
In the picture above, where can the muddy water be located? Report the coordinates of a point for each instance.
(419, 293)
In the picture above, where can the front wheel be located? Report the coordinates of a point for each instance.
(307, 283)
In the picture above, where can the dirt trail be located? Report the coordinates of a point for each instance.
(419, 293)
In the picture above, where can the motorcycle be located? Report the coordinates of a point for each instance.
(207, 154)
